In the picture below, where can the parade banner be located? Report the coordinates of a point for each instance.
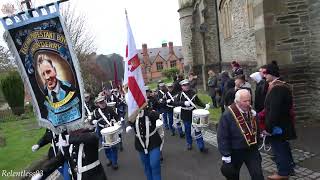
(48, 65)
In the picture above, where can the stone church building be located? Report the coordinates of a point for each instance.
(256, 32)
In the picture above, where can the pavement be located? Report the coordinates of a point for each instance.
(178, 162)
(192, 165)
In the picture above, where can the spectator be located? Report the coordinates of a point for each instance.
(261, 88)
(236, 69)
(193, 82)
(212, 84)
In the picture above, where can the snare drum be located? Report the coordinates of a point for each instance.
(176, 115)
(159, 126)
(110, 135)
(200, 118)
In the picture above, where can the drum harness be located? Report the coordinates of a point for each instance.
(192, 127)
(172, 99)
(148, 134)
(79, 169)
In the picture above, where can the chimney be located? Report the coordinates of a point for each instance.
(164, 44)
(171, 48)
(144, 49)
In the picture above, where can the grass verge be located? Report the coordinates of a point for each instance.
(20, 134)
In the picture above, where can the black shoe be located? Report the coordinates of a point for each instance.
(173, 134)
(161, 157)
(181, 135)
(189, 148)
(109, 163)
(115, 167)
(121, 147)
(204, 150)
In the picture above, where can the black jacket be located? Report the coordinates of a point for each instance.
(278, 106)
(229, 135)
(260, 95)
(90, 155)
(152, 103)
(186, 115)
(47, 138)
(155, 140)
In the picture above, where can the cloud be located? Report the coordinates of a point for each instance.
(152, 21)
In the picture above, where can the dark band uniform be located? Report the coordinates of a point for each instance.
(186, 115)
(112, 117)
(82, 156)
(148, 142)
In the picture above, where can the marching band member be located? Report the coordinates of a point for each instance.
(188, 100)
(162, 100)
(51, 137)
(120, 110)
(237, 138)
(80, 149)
(170, 100)
(106, 117)
(148, 142)
(88, 104)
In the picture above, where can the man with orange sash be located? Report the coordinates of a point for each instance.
(237, 138)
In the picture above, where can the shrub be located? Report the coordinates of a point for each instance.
(13, 91)
(170, 72)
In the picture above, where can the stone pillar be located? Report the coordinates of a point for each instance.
(186, 25)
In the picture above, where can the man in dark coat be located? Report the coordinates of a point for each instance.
(261, 88)
(237, 138)
(176, 86)
(279, 121)
(212, 86)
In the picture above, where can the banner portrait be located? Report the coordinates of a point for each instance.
(46, 62)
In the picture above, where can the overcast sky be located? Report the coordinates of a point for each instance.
(152, 21)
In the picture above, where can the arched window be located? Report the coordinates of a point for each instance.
(226, 17)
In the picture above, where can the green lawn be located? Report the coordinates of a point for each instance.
(214, 113)
(20, 134)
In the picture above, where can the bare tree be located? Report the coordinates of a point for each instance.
(82, 39)
(6, 60)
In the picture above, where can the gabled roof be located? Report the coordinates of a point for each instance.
(163, 52)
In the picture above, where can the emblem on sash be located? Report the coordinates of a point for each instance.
(249, 132)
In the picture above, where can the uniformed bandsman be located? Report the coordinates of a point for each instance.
(80, 149)
(188, 100)
(148, 142)
(105, 117)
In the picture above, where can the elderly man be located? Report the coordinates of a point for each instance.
(237, 138)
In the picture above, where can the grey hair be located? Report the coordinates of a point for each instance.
(238, 94)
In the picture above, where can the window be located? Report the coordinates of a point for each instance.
(250, 13)
(159, 66)
(226, 18)
(173, 63)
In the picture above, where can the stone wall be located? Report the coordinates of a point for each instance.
(287, 35)
(241, 45)
(314, 65)
(186, 24)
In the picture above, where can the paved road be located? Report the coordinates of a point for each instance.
(178, 162)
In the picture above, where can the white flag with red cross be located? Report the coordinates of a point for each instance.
(133, 78)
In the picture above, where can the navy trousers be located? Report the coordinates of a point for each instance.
(151, 164)
(251, 158)
(199, 138)
(64, 170)
(283, 156)
(112, 152)
(170, 118)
